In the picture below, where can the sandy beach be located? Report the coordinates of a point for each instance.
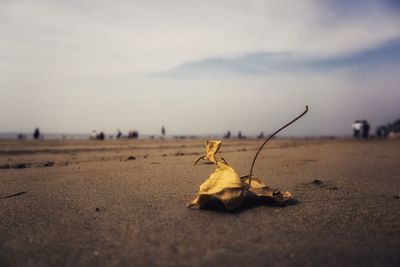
(124, 203)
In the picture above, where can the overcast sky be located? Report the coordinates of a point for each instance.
(198, 67)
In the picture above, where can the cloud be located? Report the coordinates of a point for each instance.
(270, 63)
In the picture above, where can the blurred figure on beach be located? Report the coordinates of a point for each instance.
(365, 129)
(163, 131)
(93, 135)
(119, 134)
(357, 125)
(101, 136)
(97, 136)
(36, 133)
(133, 134)
(261, 136)
(241, 136)
(361, 129)
(227, 135)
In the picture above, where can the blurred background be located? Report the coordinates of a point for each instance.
(198, 67)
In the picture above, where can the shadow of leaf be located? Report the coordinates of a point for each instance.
(249, 202)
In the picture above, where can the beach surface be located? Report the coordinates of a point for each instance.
(124, 203)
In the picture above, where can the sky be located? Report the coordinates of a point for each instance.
(198, 67)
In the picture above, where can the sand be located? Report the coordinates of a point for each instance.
(123, 203)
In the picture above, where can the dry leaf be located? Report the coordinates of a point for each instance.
(231, 189)
(226, 185)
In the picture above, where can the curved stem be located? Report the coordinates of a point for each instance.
(198, 159)
(272, 135)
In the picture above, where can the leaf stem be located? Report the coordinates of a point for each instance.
(272, 135)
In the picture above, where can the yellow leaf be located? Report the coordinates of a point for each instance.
(226, 185)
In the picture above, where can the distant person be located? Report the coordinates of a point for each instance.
(133, 134)
(163, 131)
(357, 127)
(119, 134)
(365, 129)
(93, 136)
(36, 134)
(101, 136)
(227, 135)
(240, 136)
(261, 136)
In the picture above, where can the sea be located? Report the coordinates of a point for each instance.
(47, 136)
(85, 136)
